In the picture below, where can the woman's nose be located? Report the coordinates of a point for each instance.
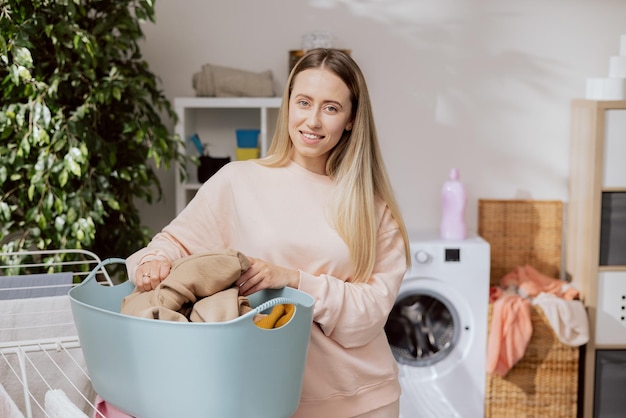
(314, 120)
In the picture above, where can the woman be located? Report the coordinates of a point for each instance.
(317, 214)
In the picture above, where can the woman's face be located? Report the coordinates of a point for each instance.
(320, 110)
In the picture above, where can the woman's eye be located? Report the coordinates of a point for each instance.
(302, 102)
(331, 108)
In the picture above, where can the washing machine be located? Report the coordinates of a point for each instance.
(438, 327)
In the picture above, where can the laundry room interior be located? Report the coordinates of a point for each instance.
(521, 105)
(485, 87)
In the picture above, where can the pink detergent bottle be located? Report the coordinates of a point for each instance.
(453, 200)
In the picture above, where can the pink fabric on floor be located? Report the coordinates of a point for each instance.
(108, 410)
(511, 329)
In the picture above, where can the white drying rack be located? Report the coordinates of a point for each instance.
(39, 347)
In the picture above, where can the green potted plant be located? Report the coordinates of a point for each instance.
(80, 121)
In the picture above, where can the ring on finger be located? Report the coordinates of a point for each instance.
(146, 275)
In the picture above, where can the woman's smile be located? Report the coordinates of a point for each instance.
(310, 138)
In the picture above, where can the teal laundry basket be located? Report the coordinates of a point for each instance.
(160, 369)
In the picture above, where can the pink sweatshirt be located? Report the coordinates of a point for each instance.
(279, 215)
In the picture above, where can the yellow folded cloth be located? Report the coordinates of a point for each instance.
(279, 316)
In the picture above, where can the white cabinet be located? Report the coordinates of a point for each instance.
(596, 232)
(215, 120)
(610, 315)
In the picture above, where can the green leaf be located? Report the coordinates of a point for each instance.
(71, 215)
(113, 203)
(59, 223)
(63, 177)
(40, 135)
(41, 221)
(23, 73)
(58, 205)
(5, 211)
(117, 93)
(72, 161)
(22, 57)
(48, 202)
(4, 53)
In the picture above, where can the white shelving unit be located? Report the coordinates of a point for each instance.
(215, 120)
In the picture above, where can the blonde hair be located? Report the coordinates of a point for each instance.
(355, 164)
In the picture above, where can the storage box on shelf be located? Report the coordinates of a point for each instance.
(215, 120)
(247, 144)
(596, 233)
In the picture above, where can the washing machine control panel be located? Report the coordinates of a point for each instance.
(422, 257)
(450, 255)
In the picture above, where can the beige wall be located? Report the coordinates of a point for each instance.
(484, 86)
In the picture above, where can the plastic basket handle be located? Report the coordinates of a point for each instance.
(101, 264)
(273, 302)
(270, 304)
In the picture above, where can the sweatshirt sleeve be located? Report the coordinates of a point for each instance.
(353, 314)
(194, 230)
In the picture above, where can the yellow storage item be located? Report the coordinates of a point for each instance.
(246, 153)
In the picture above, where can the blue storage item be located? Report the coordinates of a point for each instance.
(247, 138)
(160, 369)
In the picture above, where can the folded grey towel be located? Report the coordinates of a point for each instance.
(203, 83)
(219, 81)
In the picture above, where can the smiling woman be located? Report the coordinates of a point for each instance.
(317, 214)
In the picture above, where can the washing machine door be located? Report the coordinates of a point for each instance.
(427, 323)
(422, 328)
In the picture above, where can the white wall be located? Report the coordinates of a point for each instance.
(481, 85)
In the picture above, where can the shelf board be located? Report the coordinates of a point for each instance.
(601, 105)
(612, 268)
(610, 347)
(192, 186)
(227, 102)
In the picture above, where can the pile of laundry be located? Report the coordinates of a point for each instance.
(200, 288)
(219, 81)
(511, 326)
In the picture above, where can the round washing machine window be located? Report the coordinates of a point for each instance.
(422, 328)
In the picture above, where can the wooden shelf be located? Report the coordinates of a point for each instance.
(596, 167)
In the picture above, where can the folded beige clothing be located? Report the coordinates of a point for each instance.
(219, 81)
(191, 279)
(220, 307)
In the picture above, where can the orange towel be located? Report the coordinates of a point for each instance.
(279, 316)
(532, 282)
(511, 326)
(511, 329)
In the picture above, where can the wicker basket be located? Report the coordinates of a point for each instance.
(522, 232)
(544, 383)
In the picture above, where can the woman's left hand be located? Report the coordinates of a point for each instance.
(263, 275)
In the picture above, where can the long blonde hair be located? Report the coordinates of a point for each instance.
(355, 164)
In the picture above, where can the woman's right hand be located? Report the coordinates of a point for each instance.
(149, 274)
